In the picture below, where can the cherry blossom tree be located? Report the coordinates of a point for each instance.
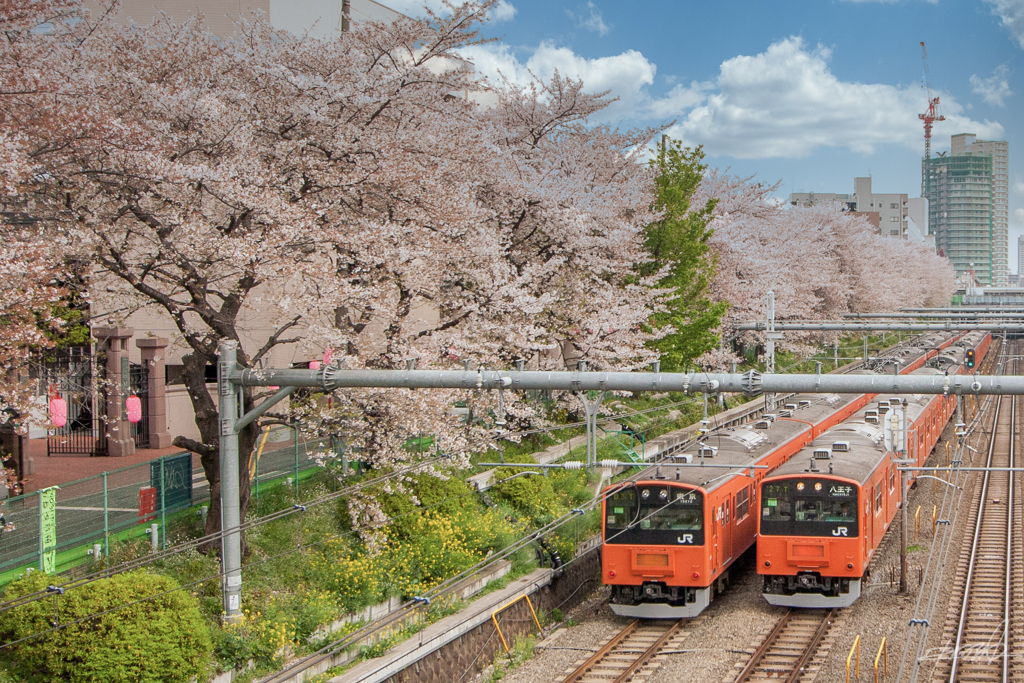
(820, 261)
(351, 192)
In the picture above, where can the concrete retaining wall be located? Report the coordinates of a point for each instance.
(452, 654)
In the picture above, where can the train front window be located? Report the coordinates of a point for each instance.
(654, 515)
(808, 507)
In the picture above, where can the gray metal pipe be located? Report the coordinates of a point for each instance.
(750, 383)
(959, 309)
(889, 327)
(938, 316)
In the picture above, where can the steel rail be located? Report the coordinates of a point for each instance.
(755, 659)
(938, 556)
(586, 666)
(649, 653)
(961, 626)
(1009, 541)
(809, 652)
(586, 669)
(761, 653)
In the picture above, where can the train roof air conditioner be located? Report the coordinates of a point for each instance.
(841, 447)
(822, 454)
(707, 451)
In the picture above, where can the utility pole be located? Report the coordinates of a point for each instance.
(904, 495)
(346, 16)
(770, 336)
(231, 543)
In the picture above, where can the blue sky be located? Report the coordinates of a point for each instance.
(811, 93)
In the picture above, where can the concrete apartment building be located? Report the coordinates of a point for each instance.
(894, 215)
(316, 18)
(968, 195)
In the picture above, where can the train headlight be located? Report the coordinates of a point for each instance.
(817, 487)
(663, 494)
(800, 486)
(646, 494)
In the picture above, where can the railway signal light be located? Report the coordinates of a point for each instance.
(970, 358)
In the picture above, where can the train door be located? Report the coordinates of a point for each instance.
(716, 547)
(727, 531)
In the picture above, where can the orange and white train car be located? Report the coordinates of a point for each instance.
(823, 514)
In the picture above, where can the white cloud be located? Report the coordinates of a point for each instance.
(1019, 215)
(1011, 12)
(503, 11)
(592, 21)
(626, 75)
(785, 102)
(994, 89)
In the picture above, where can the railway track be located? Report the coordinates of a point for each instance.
(627, 652)
(984, 629)
(787, 650)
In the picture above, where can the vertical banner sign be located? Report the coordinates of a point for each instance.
(48, 530)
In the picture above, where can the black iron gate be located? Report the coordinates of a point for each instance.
(75, 375)
(138, 385)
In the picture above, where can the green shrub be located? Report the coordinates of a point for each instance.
(162, 640)
(441, 496)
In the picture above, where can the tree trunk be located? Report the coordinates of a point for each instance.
(208, 448)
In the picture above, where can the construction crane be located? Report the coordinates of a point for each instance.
(933, 114)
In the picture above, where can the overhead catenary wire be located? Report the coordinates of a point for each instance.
(280, 514)
(511, 549)
(939, 555)
(246, 525)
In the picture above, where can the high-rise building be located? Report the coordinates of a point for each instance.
(968, 202)
(1020, 255)
(968, 144)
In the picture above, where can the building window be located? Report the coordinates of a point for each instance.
(894, 205)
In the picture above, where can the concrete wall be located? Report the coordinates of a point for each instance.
(475, 650)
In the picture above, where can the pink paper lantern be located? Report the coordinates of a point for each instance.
(58, 411)
(134, 408)
(314, 365)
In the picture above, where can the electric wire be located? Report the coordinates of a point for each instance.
(938, 556)
(437, 590)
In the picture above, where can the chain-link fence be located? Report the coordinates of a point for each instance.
(124, 503)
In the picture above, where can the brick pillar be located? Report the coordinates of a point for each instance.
(114, 341)
(153, 357)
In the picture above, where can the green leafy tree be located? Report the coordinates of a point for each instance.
(161, 640)
(680, 241)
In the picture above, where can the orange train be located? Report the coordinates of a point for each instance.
(824, 513)
(671, 532)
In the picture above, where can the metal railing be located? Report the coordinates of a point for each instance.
(107, 508)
